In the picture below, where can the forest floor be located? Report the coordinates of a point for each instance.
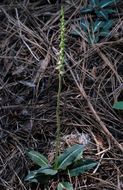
(92, 82)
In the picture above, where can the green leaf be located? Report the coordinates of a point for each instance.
(108, 25)
(34, 180)
(103, 14)
(47, 170)
(92, 4)
(105, 3)
(96, 39)
(86, 9)
(91, 39)
(105, 33)
(118, 105)
(97, 25)
(42, 175)
(110, 11)
(82, 167)
(31, 176)
(37, 158)
(75, 32)
(84, 24)
(43, 179)
(82, 162)
(64, 185)
(69, 156)
(95, 2)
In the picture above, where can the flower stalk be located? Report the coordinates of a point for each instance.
(60, 68)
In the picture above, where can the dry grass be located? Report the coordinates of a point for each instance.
(93, 80)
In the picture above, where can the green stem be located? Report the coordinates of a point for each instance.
(58, 118)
